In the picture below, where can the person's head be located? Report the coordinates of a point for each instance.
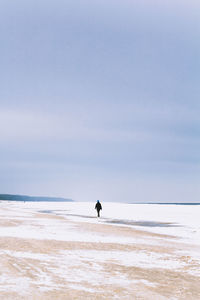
(97, 200)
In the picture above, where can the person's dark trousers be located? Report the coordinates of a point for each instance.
(98, 212)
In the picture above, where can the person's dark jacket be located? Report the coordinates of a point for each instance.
(98, 206)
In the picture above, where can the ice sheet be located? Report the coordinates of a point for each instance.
(178, 220)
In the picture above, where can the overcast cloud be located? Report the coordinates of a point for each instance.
(100, 99)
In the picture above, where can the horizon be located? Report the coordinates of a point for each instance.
(56, 199)
(100, 99)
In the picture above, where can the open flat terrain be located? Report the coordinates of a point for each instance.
(62, 251)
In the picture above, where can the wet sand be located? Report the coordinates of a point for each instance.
(151, 266)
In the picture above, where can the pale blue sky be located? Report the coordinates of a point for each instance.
(100, 99)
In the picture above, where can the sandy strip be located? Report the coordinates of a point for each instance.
(160, 267)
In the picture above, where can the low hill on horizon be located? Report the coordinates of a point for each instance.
(9, 197)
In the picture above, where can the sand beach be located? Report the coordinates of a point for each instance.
(62, 251)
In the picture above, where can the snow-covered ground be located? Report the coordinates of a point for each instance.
(64, 248)
(182, 221)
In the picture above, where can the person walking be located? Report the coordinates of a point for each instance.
(98, 207)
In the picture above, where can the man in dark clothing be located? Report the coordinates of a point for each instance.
(98, 207)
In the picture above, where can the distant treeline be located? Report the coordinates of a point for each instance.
(8, 197)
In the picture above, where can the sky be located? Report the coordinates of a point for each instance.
(100, 99)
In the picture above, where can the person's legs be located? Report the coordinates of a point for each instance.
(98, 213)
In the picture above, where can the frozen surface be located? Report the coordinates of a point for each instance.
(182, 221)
(174, 249)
